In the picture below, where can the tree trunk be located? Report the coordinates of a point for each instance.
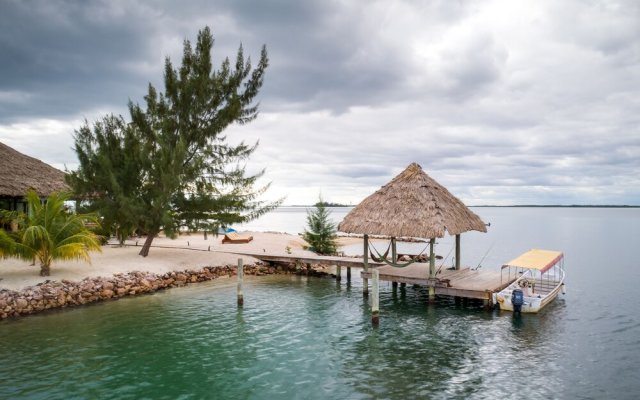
(45, 270)
(147, 244)
(205, 234)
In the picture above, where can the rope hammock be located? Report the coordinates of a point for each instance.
(383, 257)
(379, 259)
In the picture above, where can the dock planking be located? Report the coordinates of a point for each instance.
(465, 282)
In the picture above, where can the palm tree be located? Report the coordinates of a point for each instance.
(7, 245)
(49, 232)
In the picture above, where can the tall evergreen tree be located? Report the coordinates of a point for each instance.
(189, 173)
(320, 232)
(111, 173)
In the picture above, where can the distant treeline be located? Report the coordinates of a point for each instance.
(329, 204)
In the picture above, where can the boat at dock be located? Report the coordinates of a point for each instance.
(539, 279)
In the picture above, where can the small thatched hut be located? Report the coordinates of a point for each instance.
(412, 205)
(19, 173)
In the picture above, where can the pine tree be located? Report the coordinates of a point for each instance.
(321, 232)
(189, 175)
(111, 174)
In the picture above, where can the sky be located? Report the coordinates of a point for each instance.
(502, 102)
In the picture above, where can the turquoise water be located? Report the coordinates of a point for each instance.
(312, 338)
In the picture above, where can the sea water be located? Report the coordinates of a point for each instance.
(312, 338)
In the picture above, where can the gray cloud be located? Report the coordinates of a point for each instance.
(501, 102)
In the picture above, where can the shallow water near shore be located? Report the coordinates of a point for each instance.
(311, 338)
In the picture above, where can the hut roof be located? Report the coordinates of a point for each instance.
(19, 173)
(412, 205)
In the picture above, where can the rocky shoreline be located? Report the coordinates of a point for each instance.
(61, 294)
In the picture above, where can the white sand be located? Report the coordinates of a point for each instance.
(17, 274)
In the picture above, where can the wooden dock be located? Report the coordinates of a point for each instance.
(348, 262)
(464, 282)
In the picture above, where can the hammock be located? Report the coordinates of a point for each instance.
(383, 257)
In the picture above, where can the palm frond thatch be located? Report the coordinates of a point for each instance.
(411, 205)
(19, 173)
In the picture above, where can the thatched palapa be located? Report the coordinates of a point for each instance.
(411, 205)
(19, 173)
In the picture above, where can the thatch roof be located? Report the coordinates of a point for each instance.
(19, 173)
(411, 205)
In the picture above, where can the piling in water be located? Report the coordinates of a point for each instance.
(375, 301)
(365, 261)
(240, 278)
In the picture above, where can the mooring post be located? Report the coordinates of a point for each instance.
(432, 270)
(365, 262)
(375, 301)
(240, 278)
(338, 273)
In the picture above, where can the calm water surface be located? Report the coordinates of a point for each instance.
(312, 338)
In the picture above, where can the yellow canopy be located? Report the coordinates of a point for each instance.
(536, 259)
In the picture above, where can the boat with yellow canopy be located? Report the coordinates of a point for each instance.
(539, 278)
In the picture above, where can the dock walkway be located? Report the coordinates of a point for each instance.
(464, 282)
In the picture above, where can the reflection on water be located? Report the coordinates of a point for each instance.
(312, 338)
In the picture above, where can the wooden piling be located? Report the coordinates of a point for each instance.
(375, 301)
(365, 261)
(432, 269)
(240, 281)
(338, 273)
(349, 274)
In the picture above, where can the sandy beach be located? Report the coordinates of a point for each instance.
(185, 252)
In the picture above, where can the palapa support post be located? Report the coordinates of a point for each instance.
(394, 250)
(240, 279)
(375, 301)
(458, 251)
(365, 262)
(394, 259)
(338, 273)
(432, 258)
(432, 269)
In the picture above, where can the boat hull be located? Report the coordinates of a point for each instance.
(532, 304)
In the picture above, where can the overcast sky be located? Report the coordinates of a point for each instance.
(502, 102)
